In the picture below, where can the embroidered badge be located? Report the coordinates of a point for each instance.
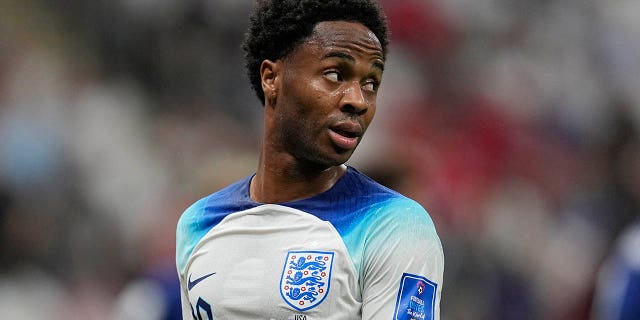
(305, 279)
(416, 298)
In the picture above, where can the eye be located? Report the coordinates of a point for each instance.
(371, 86)
(333, 75)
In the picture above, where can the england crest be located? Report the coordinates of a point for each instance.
(306, 278)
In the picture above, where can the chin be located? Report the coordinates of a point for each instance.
(324, 157)
(327, 161)
(341, 158)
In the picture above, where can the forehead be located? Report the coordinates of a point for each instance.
(351, 36)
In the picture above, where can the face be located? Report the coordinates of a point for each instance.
(322, 96)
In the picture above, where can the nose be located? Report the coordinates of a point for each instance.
(354, 100)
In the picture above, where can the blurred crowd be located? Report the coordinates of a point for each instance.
(515, 123)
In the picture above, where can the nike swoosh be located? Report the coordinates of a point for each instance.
(192, 284)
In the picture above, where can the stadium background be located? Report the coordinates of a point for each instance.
(512, 122)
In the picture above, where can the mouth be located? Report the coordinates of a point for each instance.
(348, 129)
(346, 135)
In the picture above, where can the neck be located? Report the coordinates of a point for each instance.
(283, 179)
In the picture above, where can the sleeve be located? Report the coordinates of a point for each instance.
(184, 246)
(186, 305)
(184, 296)
(403, 265)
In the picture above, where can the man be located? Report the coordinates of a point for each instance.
(307, 237)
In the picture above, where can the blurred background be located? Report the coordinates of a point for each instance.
(515, 123)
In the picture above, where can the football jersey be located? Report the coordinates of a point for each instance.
(357, 251)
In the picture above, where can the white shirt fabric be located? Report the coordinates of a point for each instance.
(356, 251)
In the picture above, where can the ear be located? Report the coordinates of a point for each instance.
(269, 74)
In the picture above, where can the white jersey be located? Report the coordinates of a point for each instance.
(356, 251)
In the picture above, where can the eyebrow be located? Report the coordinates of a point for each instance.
(341, 55)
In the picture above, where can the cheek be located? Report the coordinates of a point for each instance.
(370, 115)
(310, 100)
(315, 104)
(304, 95)
(320, 97)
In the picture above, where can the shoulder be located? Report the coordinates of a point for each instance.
(206, 213)
(400, 251)
(388, 214)
(390, 206)
(216, 204)
(402, 219)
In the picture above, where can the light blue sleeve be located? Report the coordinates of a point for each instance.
(403, 263)
(188, 232)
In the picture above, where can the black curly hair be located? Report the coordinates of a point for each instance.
(276, 27)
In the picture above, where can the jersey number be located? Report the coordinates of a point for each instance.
(201, 305)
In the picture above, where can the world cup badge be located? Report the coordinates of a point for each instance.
(306, 278)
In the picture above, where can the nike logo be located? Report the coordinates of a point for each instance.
(192, 284)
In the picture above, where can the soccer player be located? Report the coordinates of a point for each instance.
(307, 237)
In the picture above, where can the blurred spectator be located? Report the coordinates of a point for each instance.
(618, 295)
(618, 285)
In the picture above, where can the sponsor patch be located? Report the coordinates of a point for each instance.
(306, 278)
(416, 298)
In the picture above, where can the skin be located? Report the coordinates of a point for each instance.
(319, 101)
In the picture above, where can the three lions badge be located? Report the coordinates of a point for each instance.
(306, 278)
